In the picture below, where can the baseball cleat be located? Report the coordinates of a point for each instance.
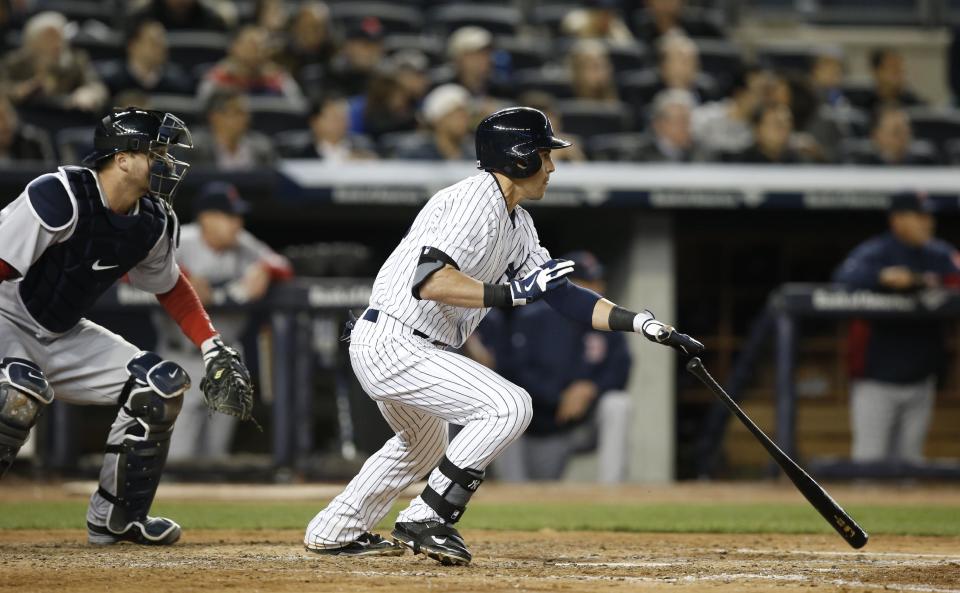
(368, 544)
(437, 540)
(154, 531)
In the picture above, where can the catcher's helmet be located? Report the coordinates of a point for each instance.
(151, 132)
(508, 141)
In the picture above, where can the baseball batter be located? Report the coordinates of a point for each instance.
(64, 241)
(471, 247)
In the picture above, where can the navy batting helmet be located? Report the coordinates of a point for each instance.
(150, 132)
(508, 141)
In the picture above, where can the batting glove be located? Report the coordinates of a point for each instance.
(547, 277)
(667, 335)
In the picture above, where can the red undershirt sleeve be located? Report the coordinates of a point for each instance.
(7, 272)
(184, 306)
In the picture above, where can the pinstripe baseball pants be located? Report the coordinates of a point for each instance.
(419, 388)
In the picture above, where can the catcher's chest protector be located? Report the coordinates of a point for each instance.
(69, 277)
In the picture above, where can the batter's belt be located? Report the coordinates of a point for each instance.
(372, 315)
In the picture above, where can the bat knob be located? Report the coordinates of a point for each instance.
(694, 363)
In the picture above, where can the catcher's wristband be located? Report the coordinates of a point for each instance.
(497, 295)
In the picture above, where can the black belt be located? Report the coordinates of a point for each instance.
(372, 315)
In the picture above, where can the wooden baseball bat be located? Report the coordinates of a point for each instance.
(838, 518)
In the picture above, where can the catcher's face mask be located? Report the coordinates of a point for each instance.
(166, 171)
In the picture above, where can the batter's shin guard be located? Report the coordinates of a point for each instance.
(139, 439)
(24, 393)
(453, 502)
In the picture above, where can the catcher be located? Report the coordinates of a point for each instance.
(64, 241)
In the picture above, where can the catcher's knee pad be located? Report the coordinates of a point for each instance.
(453, 502)
(24, 392)
(152, 396)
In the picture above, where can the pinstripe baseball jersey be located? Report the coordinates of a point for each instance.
(469, 222)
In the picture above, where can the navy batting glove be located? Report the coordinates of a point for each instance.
(667, 335)
(547, 277)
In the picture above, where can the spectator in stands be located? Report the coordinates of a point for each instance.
(46, 72)
(271, 15)
(815, 137)
(470, 50)
(664, 16)
(826, 76)
(411, 68)
(146, 67)
(724, 126)
(591, 72)
(180, 15)
(679, 68)
(894, 363)
(889, 83)
(226, 265)
(387, 106)
(672, 137)
(598, 19)
(229, 143)
(332, 139)
(545, 103)
(576, 377)
(309, 42)
(446, 112)
(249, 69)
(891, 142)
(772, 127)
(19, 141)
(352, 69)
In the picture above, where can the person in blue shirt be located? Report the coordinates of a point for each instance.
(894, 363)
(576, 377)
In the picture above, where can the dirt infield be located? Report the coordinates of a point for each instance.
(221, 561)
(273, 561)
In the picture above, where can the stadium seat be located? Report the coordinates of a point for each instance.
(524, 54)
(390, 143)
(74, 143)
(291, 143)
(796, 58)
(623, 57)
(271, 115)
(936, 125)
(719, 58)
(499, 20)
(197, 47)
(553, 81)
(394, 18)
(858, 151)
(870, 12)
(589, 118)
(620, 146)
(550, 16)
(183, 106)
(79, 11)
(99, 42)
(432, 47)
(952, 151)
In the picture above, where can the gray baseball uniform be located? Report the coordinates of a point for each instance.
(197, 432)
(48, 235)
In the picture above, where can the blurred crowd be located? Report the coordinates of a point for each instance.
(629, 80)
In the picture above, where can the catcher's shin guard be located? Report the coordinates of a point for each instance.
(453, 502)
(139, 440)
(24, 392)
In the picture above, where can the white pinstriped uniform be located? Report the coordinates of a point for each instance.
(420, 386)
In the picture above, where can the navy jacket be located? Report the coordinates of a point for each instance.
(544, 353)
(898, 351)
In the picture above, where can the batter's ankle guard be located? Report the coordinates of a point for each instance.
(24, 393)
(453, 502)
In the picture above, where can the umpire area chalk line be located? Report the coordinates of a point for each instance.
(841, 554)
(747, 576)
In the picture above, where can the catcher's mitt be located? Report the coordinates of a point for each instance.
(226, 384)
